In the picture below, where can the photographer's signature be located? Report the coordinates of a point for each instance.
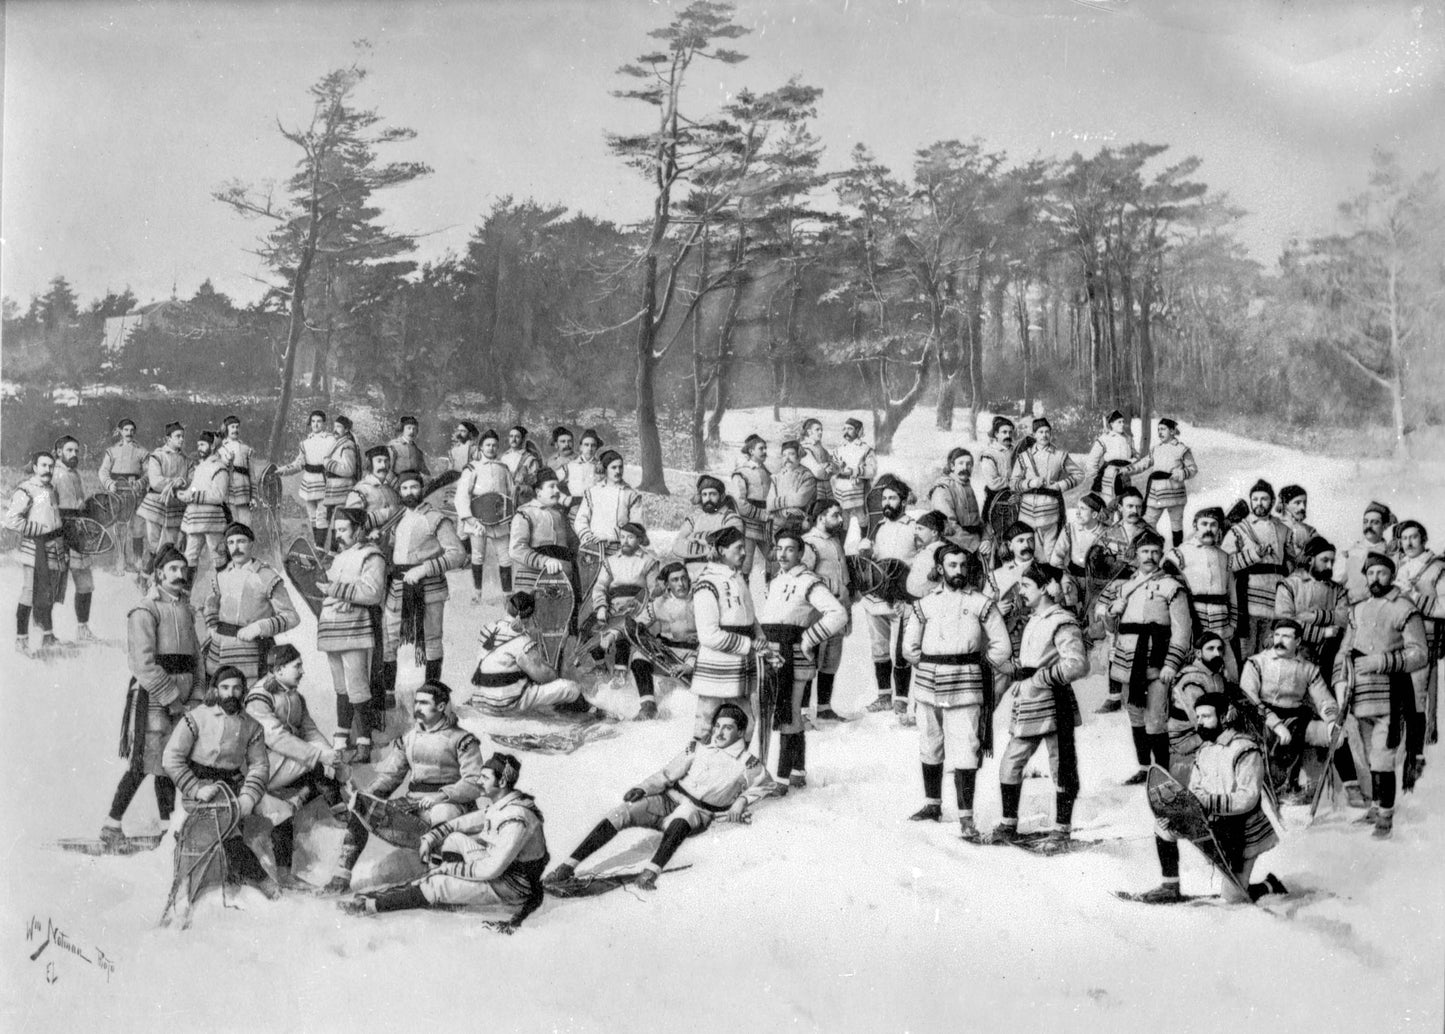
(63, 944)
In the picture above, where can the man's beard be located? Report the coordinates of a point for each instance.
(1320, 574)
(1260, 511)
(709, 507)
(954, 581)
(1214, 664)
(72, 464)
(231, 705)
(411, 502)
(1208, 733)
(1379, 591)
(891, 512)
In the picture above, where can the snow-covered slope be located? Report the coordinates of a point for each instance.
(830, 912)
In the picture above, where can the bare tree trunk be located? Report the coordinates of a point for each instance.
(649, 444)
(724, 368)
(1397, 362)
(298, 316)
(702, 377)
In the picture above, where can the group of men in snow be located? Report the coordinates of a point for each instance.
(1237, 652)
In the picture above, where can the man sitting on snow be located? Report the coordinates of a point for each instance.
(714, 780)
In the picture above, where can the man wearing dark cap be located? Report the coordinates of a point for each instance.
(1320, 605)
(1227, 778)
(406, 454)
(1153, 632)
(580, 472)
(714, 778)
(512, 676)
(376, 494)
(794, 490)
(302, 763)
(424, 547)
(1384, 644)
(1350, 562)
(928, 531)
(1204, 569)
(123, 470)
(246, 608)
(1205, 673)
(730, 640)
(605, 507)
(626, 581)
(952, 496)
(1041, 475)
(1001, 584)
(1110, 458)
(1294, 702)
(1051, 658)
(1294, 504)
(895, 539)
(856, 466)
(955, 638)
(166, 676)
(1421, 578)
(218, 744)
(348, 629)
(713, 513)
(342, 467)
(162, 508)
(440, 762)
(542, 538)
(238, 456)
(1078, 536)
(1171, 464)
(486, 475)
(204, 521)
(463, 448)
(310, 463)
(493, 858)
(752, 483)
(1261, 553)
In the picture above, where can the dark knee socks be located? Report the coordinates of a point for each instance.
(1384, 787)
(1141, 745)
(1064, 808)
(672, 837)
(1011, 793)
(902, 679)
(600, 835)
(477, 577)
(965, 780)
(397, 899)
(1159, 748)
(82, 607)
(1168, 852)
(790, 753)
(345, 712)
(505, 573)
(1345, 765)
(642, 676)
(825, 689)
(22, 621)
(283, 843)
(932, 783)
(125, 793)
(433, 673)
(883, 672)
(165, 797)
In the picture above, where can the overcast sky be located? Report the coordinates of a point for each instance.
(121, 117)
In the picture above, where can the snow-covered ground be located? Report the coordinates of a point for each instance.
(830, 912)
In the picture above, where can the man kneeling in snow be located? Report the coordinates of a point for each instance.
(511, 675)
(1227, 777)
(714, 780)
(493, 857)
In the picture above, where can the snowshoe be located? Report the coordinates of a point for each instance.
(1165, 894)
(592, 884)
(111, 845)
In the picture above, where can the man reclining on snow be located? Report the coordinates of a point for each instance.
(718, 779)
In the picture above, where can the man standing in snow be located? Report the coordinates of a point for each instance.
(310, 462)
(952, 496)
(1260, 551)
(730, 640)
(713, 778)
(70, 494)
(752, 484)
(1172, 464)
(995, 462)
(1383, 646)
(1204, 569)
(1350, 564)
(1052, 657)
(1422, 582)
(895, 539)
(956, 639)
(486, 475)
(247, 607)
(1318, 604)
(1149, 616)
(1041, 475)
(376, 494)
(406, 454)
(1294, 504)
(713, 513)
(856, 466)
(122, 470)
(823, 553)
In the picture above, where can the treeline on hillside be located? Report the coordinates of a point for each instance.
(765, 273)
